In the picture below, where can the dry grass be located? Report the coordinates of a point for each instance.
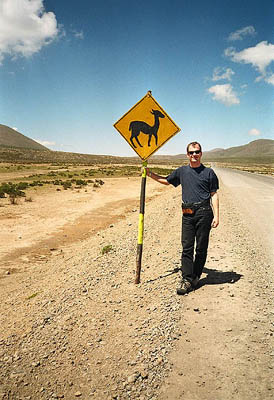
(71, 176)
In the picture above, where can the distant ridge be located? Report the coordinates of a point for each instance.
(12, 139)
(257, 149)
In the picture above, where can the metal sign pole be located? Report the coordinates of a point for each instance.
(145, 134)
(141, 224)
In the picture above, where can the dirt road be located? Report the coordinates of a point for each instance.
(227, 352)
(74, 324)
(254, 195)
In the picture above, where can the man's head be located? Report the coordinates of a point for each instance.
(194, 154)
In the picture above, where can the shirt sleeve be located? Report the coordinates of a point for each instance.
(174, 178)
(213, 182)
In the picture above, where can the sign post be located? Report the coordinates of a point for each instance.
(146, 127)
(141, 224)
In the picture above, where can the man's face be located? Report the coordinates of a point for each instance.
(194, 154)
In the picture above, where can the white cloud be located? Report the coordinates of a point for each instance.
(224, 94)
(259, 78)
(270, 79)
(25, 27)
(222, 73)
(241, 33)
(79, 35)
(259, 56)
(254, 132)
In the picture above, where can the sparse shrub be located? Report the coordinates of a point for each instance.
(22, 185)
(32, 296)
(80, 182)
(106, 249)
(12, 190)
(36, 183)
(66, 184)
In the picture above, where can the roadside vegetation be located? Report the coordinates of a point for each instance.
(22, 178)
(13, 191)
(38, 174)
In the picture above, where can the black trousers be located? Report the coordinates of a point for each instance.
(195, 230)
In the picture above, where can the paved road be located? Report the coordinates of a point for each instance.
(254, 195)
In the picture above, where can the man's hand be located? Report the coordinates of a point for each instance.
(215, 206)
(145, 169)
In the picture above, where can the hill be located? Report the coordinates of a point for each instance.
(12, 139)
(261, 150)
(257, 151)
(30, 156)
(254, 149)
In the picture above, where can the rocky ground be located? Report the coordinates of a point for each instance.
(74, 324)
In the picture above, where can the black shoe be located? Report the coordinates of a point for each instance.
(185, 287)
(195, 282)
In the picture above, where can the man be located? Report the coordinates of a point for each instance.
(200, 206)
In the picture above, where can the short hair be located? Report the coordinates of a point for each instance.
(193, 144)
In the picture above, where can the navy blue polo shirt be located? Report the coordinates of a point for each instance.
(197, 183)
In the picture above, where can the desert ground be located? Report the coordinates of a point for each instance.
(74, 325)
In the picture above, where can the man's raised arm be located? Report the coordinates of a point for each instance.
(157, 178)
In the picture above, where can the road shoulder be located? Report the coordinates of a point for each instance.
(226, 347)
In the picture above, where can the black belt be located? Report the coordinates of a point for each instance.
(196, 205)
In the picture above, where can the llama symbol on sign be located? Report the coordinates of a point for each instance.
(137, 127)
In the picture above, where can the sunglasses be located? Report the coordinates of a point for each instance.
(194, 152)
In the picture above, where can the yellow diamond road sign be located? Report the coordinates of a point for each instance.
(146, 127)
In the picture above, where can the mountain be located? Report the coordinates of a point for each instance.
(12, 139)
(15, 147)
(218, 149)
(259, 148)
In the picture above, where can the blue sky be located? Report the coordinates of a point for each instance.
(70, 69)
